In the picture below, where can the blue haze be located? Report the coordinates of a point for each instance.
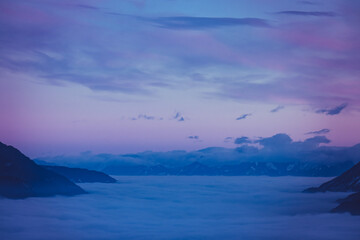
(173, 207)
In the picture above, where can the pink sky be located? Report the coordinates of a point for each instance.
(111, 76)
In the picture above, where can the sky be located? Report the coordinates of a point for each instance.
(136, 75)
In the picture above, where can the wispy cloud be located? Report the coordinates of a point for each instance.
(86, 6)
(322, 131)
(205, 22)
(178, 117)
(28, 30)
(278, 108)
(311, 14)
(242, 140)
(126, 83)
(307, 2)
(333, 111)
(146, 117)
(193, 137)
(244, 116)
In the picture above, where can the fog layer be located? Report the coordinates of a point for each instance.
(175, 207)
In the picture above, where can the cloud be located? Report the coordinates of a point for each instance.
(282, 143)
(86, 6)
(146, 117)
(187, 208)
(307, 2)
(280, 140)
(50, 44)
(278, 148)
(178, 117)
(322, 131)
(129, 82)
(244, 116)
(242, 140)
(278, 108)
(228, 139)
(199, 23)
(301, 80)
(193, 137)
(314, 142)
(304, 13)
(333, 111)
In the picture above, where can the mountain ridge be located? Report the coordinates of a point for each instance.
(81, 175)
(20, 177)
(242, 169)
(347, 181)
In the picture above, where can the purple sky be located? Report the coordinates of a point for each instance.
(136, 75)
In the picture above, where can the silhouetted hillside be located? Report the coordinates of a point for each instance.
(348, 181)
(350, 204)
(20, 177)
(81, 175)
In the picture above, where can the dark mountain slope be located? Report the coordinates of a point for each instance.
(20, 177)
(348, 181)
(81, 175)
(350, 204)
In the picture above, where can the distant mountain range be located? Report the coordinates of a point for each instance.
(275, 159)
(20, 177)
(346, 182)
(242, 169)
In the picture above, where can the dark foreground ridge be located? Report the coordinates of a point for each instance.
(20, 177)
(348, 181)
(350, 204)
(81, 175)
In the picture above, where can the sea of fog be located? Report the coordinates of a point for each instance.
(183, 207)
